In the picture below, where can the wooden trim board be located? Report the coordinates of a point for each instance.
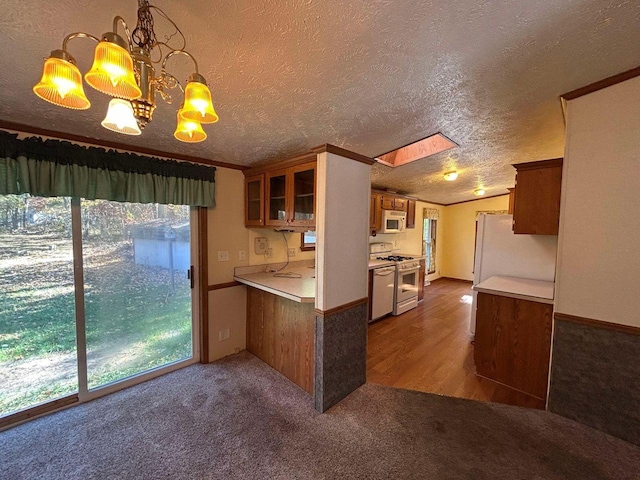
(631, 330)
(327, 147)
(21, 128)
(220, 286)
(203, 284)
(607, 82)
(28, 413)
(342, 308)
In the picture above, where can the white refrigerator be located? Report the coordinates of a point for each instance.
(501, 252)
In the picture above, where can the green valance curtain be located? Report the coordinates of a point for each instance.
(56, 168)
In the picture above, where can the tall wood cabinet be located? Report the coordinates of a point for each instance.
(536, 204)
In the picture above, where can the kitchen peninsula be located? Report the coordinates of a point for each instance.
(281, 318)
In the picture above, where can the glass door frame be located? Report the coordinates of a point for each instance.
(84, 394)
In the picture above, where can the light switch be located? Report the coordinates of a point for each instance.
(223, 256)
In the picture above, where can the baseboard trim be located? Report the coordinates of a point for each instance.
(220, 286)
(542, 403)
(631, 330)
(342, 308)
(452, 278)
(22, 416)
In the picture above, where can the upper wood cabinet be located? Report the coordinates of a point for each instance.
(290, 196)
(393, 202)
(400, 204)
(387, 202)
(254, 201)
(283, 195)
(411, 214)
(536, 209)
(375, 213)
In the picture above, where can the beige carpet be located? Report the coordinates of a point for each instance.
(238, 418)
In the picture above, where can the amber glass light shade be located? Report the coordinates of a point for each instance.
(61, 84)
(189, 131)
(112, 72)
(197, 103)
(120, 118)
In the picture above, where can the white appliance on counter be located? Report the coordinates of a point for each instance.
(500, 252)
(406, 278)
(393, 221)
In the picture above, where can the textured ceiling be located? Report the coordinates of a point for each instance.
(368, 75)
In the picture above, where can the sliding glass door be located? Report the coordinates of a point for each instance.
(137, 294)
(38, 360)
(128, 301)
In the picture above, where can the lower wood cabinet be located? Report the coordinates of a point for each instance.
(281, 333)
(513, 343)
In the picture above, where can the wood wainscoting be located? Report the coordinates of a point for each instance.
(281, 333)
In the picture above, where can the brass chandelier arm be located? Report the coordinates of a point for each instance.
(119, 20)
(71, 36)
(178, 52)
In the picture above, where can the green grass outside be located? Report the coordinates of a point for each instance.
(134, 321)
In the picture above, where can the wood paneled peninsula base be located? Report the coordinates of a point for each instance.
(323, 352)
(281, 333)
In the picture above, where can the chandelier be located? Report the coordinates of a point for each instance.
(123, 68)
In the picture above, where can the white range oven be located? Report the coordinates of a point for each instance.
(407, 282)
(407, 276)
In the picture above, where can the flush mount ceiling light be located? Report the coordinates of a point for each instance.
(122, 68)
(479, 192)
(450, 176)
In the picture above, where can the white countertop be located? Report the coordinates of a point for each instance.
(299, 289)
(521, 288)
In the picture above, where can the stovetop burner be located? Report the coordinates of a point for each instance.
(394, 258)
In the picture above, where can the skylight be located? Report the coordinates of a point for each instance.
(415, 151)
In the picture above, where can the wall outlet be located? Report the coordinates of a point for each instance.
(292, 251)
(223, 334)
(223, 256)
(395, 244)
(242, 255)
(269, 252)
(260, 245)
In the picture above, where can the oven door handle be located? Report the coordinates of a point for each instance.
(384, 272)
(408, 270)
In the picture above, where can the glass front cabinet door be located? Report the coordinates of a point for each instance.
(304, 195)
(291, 196)
(277, 198)
(254, 201)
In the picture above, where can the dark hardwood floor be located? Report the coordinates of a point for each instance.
(429, 349)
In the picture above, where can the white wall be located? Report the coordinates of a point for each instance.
(277, 243)
(344, 189)
(226, 232)
(599, 242)
(460, 234)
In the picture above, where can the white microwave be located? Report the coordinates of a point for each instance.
(393, 221)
